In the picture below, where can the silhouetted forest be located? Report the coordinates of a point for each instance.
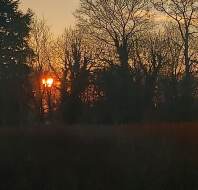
(124, 61)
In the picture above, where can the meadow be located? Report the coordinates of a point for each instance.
(136, 157)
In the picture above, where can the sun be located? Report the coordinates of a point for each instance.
(48, 82)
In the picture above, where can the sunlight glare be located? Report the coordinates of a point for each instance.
(48, 82)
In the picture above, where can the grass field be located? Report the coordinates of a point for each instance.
(158, 157)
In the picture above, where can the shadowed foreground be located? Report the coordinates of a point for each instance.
(100, 157)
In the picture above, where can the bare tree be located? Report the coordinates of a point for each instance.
(115, 22)
(40, 38)
(75, 63)
(149, 57)
(40, 41)
(74, 59)
(174, 67)
(185, 14)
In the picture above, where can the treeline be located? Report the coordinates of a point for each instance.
(125, 61)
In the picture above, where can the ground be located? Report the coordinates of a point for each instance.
(134, 157)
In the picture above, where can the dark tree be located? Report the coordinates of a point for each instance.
(14, 51)
(76, 63)
(120, 101)
(14, 30)
(115, 23)
(184, 14)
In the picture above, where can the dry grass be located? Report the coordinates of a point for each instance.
(142, 157)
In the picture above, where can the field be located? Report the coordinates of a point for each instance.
(140, 157)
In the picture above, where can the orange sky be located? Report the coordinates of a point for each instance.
(58, 13)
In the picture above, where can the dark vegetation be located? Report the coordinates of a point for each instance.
(117, 66)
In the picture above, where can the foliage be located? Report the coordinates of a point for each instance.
(122, 99)
(15, 92)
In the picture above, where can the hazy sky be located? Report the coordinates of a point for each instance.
(58, 13)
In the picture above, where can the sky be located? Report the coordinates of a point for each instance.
(58, 13)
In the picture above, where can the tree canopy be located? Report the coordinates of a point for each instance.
(14, 52)
(14, 31)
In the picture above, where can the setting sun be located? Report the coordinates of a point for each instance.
(48, 82)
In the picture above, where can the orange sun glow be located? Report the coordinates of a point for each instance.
(48, 82)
